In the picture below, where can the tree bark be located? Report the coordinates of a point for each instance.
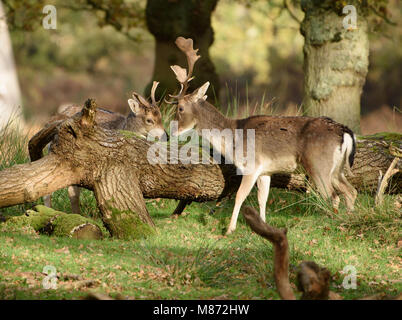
(27, 182)
(116, 166)
(167, 20)
(375, 153)
(335, 61)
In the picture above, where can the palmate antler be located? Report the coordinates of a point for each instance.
(186, 46)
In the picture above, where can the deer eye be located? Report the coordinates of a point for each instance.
(150, 121)
(181, 109)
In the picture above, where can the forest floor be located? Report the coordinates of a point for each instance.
(190, 258)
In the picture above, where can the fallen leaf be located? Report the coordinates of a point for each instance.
(63, 250)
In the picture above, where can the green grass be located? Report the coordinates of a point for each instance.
(190, 258)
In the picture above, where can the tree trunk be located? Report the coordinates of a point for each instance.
(168, 20)
(116, 167)
(10, 96)
(335, 62)
(27, 182)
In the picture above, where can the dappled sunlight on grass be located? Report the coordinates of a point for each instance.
(190, 258)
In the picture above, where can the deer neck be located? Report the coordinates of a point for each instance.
(211, 118)
(133, 123)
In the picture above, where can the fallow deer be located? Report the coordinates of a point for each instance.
(320, 145)
(144, 118)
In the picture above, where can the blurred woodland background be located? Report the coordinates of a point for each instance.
(106, 49)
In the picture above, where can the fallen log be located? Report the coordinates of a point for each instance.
(375, 153)
(51, 222)
(115, 166)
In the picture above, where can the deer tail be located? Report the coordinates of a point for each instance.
(349, 149)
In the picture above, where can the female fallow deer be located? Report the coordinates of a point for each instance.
(144, 118)
(320, 145)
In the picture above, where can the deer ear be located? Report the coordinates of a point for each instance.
(201, 91)
(134, 105)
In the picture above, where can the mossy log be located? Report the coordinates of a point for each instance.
(56, 223)
(116, 167)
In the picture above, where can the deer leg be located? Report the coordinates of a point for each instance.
(180, 207)
(74, 195)
(247, 183)
(48, 200)
(325, 188)
(342, 185)
(263, 183)
(349, 192)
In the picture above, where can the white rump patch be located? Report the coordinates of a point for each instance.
(344, 151)
(347, 145)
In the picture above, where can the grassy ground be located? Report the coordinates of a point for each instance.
(190, 258)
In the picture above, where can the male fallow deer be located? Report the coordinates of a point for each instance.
(144, 118)
(320, 145)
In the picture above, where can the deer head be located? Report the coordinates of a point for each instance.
(187, 114)
(145, 117)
